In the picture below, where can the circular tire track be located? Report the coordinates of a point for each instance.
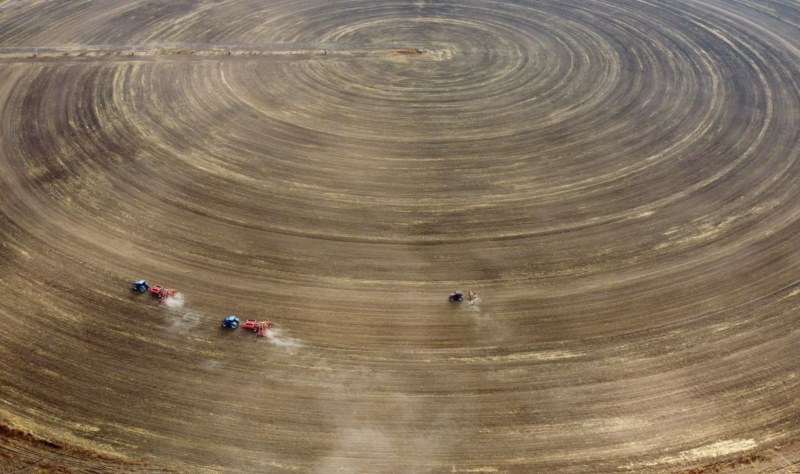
(616, 180)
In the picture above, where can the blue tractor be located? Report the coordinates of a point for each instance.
(231, 322)
(141, 286)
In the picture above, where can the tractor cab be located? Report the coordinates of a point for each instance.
(141, 286)
(231, 322)
(457, 296)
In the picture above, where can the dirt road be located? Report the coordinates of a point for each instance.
(616, 180)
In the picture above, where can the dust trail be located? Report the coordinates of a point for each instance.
(276, 336)
(474, 308)
(487, 328)
(184, 321)
(175, 302)
(366, 433)
(178, 318)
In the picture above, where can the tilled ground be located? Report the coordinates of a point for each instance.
(616, 180)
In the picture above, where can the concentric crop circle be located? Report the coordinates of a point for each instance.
(616, 180)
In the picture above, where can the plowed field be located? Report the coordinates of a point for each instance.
(617, 180)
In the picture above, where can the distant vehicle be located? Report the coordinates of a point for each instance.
(141, 286)
(231, 322)
(457, 296)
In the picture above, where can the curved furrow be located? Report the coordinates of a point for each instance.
(617, 181)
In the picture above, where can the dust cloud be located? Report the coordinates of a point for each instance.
(175, 302)
(276, 336)
(178, 318)
(367, 434)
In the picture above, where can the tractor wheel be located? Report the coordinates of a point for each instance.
(234, 325)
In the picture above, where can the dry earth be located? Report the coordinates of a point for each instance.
(616, 179)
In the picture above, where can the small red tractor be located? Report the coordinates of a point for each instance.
(260, 328)
(457, 297)
(162, 293)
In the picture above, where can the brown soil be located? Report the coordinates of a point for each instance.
(617, 181)
(25, 452)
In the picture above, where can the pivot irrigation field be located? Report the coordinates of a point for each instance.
(617, 180)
